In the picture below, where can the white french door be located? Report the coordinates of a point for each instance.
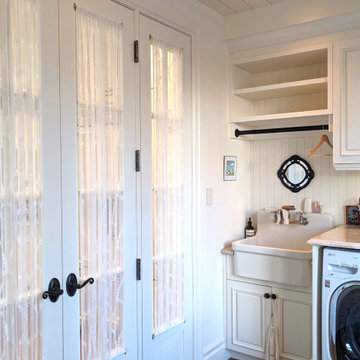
(166, 191)
(67, 181)
(69, 200)
(30, 191)
(98, 179)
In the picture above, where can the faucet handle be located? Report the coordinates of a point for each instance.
(300, 212)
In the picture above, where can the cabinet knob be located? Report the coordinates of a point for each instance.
(273, 296)
(267, 295)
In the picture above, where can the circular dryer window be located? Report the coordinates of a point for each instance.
(345, 322)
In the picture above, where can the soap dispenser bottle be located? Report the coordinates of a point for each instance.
(249, 229)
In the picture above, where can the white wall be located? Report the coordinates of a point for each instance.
(225, 219)
(289, 25)
(334, 189)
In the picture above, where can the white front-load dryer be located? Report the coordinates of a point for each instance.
(340, 334)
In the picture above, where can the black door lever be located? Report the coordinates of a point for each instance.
(54, 290)
(72, 285)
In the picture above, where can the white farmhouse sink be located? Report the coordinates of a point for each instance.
(279, 253)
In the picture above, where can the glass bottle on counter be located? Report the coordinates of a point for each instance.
(249, 229)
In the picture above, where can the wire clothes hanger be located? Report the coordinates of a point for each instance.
(323, 139)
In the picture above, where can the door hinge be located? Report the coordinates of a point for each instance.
(137, 160)
(138, 269)
(136, 51)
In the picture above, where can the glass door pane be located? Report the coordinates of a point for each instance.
(100, 184)
(167, 185)
(20, 182)
(347, 327)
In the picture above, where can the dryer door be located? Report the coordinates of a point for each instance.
(345, 322)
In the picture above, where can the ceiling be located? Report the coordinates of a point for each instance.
(229, 7)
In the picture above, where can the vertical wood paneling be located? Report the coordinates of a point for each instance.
(334, 189)
(285, 75)
(269, 177)
(263, 173)
(291, 103)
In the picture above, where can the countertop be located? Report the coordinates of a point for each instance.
(227, 250)
(343, 236)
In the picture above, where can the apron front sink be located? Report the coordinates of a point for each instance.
(279, 253)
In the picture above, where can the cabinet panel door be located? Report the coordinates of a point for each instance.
(293, 317)
(250, 313)
(346, 104)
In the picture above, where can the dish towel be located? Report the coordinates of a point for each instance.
(285, 216)
(272, 343)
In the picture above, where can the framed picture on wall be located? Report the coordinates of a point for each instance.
(230, 168)
(352, 215)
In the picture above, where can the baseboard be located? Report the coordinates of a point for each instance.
(238, 356)
(216, 350)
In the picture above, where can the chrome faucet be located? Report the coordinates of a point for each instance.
(302, 219)
(277, 216)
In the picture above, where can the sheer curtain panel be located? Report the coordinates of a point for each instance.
(100, 184)
(20, 182)
(168, 185)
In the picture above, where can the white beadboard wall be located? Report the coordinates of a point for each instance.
(334, 189)
(313, 101)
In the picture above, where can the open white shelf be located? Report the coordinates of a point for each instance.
(291, 88)
(285, 89)
(260, 120)
(288, 59)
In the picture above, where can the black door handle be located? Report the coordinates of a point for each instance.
(72, 285)
(54, 290)
(273, 296)
(267, 295)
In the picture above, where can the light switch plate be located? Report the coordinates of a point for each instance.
(209, 196)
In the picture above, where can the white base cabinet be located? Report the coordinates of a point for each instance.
(293, 318)
(346, 104)
(249, 315)
(250, 308)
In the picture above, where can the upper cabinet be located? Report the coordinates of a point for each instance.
(346, 103)
(285, 89)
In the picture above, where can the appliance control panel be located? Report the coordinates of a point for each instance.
(340, 263)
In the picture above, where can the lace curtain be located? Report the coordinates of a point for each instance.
(20, 182)
(100, 184)
(168, 185)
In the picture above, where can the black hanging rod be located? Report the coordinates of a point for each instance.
(281, 130)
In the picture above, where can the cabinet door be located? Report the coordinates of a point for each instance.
(249, 313)
(346, 104)
(293, 317)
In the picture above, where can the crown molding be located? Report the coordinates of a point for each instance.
(296, 32)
